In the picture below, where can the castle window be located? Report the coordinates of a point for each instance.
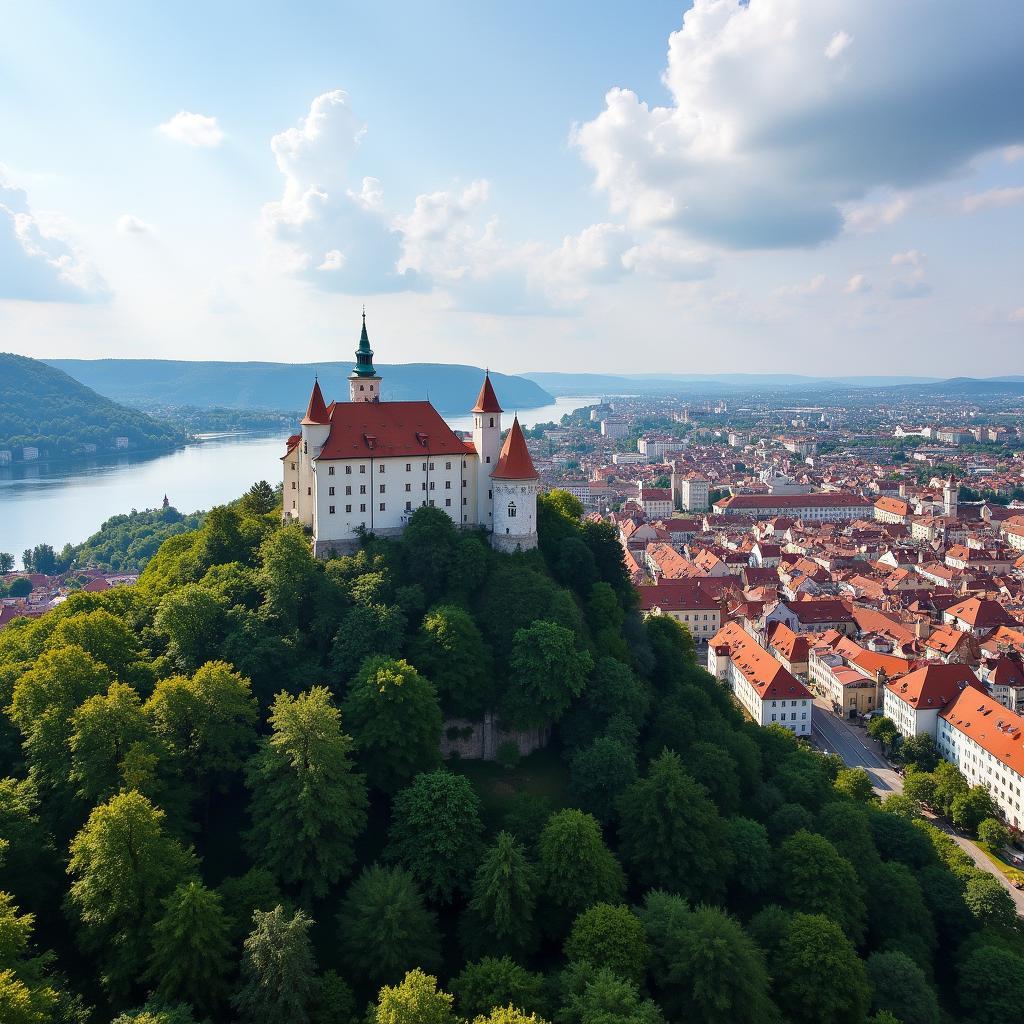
(511, 510)
(465, 500)
(380, 468)
(293, 504)
(362, 488)
(309, 490)
(488, 458)
(362, 467)
(408, 506)
(305, 449)
(448, 502)
(492, 421)
(447, 485)
(447, 465)
(431, 466)
(431, 484)
(408, 467)
(330, 470)
(348, 471)
(382, 506)
(431, 503)
(293, 465)
(464, 482)
(293, 485)
(382, 488)
(361, 388)
(362, 508)
(489, 495)
(331, 509)
(408, 487)
(330, 491)
(348, 508)
(348, 489)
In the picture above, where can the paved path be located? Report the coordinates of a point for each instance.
(835, 736)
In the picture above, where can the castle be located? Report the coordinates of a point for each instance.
(367, 465)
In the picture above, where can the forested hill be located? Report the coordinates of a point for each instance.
(452, 388)
(42, 407)
(225, 801)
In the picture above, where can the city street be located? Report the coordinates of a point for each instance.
(834, 736)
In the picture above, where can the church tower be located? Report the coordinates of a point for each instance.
(950, 497)
(487, 441)
(363, 381)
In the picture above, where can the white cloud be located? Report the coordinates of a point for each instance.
(765, 142)
(912, 289)
(665, 259)
(867, 218)
(1017, 315)
(129, 224)
(802, 290)
(910, 258)
(1013, 153)
(333, 260)
(993, 199)
(857, 285)
(839, 42)
(39, 261)
(196, 130)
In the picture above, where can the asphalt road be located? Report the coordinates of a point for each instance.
(835, 736)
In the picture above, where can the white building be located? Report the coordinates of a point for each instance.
(915, 700)
(367, 465)
(655, 449)
(691, 491)
(984, 740)
(771, 694)
(614, 428)
(834, 506)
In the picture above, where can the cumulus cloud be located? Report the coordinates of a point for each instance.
(39, 261)
(129, 224)
(912, 289)
(857, 285)
(867, 218)
(197, 130)
(910, 258)
(770, 136)
(802, 290)
(993, 199)
(324, 230)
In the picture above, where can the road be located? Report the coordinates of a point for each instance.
(835, 736)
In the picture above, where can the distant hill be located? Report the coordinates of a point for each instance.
(42, 407)
(168, 382)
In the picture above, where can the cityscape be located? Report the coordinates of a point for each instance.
(590, 591)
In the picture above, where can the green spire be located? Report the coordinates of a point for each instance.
(364, 354)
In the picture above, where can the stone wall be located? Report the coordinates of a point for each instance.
(480, 741)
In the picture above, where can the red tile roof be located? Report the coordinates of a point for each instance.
(388, 430)
(934, 686)
(764, 673)
(316, 411)
(514, 462)
(990, 725)
(981, 612)
(486, 401)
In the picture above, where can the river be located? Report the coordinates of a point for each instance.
(56, 504)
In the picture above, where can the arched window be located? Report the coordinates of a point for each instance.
(492, 421)
(511, 510)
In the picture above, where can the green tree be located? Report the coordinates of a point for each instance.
(988, 901)
(123, 865)
(609, 936)
(856, 784)
(45, 696)
(278, 970)
(705, 967)
(503, 897)
(29, 868)
(546, 671)
(671, 834)
(308, 803)
(898, 917)
(970, 809)
(485, 984)
(994, 834)
(20, 587)
(192, 619)
(367, 630)
(26, 995)
(751, 855)
(435, 833)
(900, 986)
(508, 1015)
(598, 775)
(919, 752)
(6, 562)
(242, 895)
(385, 927)
(991, 985)
(817, 975)
(208, 723)
(883, 730)
(613, 694)
(288, 575)
(157, 1013)
(191, 952)
(105, 729)
(949, 783)
(449, 650)
(416, 1000)
(103, 636)
(259, 500)
(919, 786)
(605, 997)
(333, 1002)
(396, 721)
(814, 877)
(576, 869)
(672, 647)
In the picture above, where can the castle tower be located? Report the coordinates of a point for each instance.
(363, 381)
(487, 441)
(950, 496)
(315, 427)
(514, 485)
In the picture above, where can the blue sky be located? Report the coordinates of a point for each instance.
(804, 185)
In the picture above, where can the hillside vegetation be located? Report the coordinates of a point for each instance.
(43, 407)
(167, 382)
(225, 801)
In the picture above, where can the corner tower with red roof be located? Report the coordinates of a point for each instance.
(514, 485)
(368, 465)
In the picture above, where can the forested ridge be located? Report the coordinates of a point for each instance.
(224, 801)
(42, 407)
